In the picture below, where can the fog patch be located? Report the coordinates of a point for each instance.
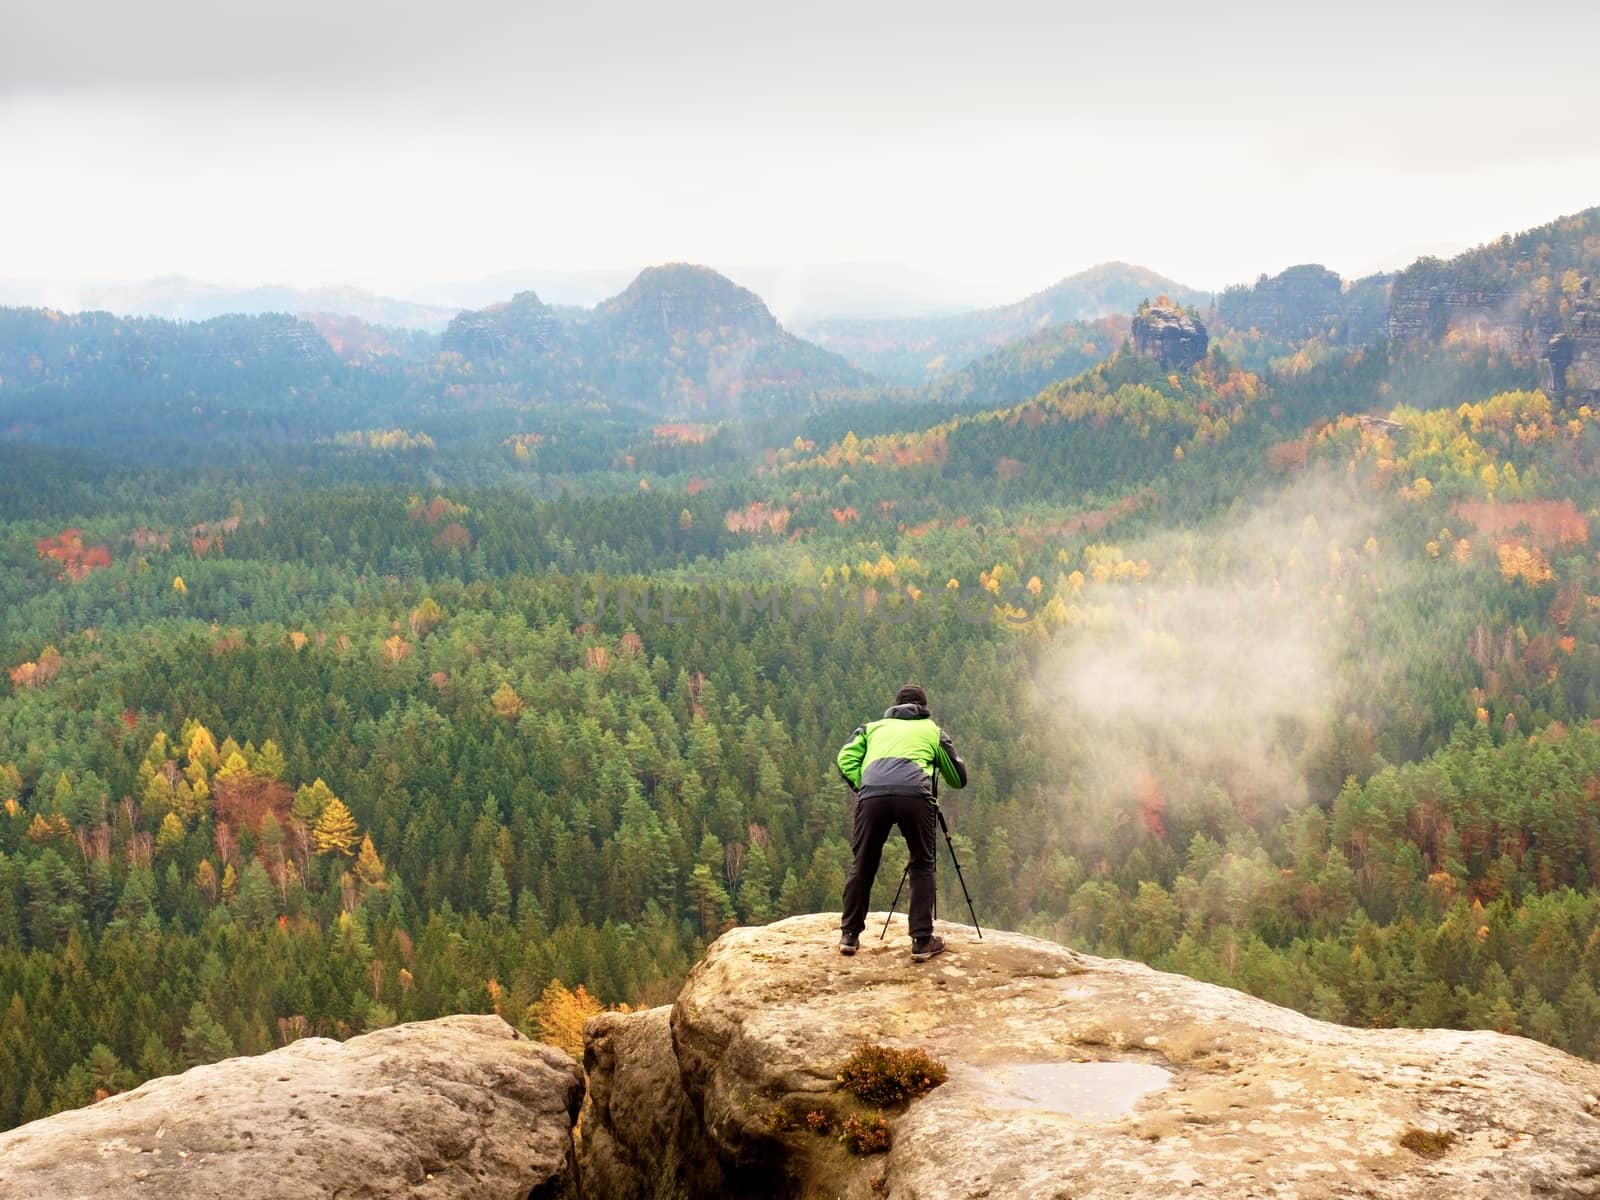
(1206, 694)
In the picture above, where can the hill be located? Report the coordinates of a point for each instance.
(1513, 294)
(1301, 305)
(679, 340)
(1024, 367)
(177, 298)
(916, 350)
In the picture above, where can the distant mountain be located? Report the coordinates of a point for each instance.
(97, 379)
(40, 346)
(583, 289)
(792, 293)
(1021, 369)
(915, 350)
(177, 298)
(1277, 314)
(679, 339)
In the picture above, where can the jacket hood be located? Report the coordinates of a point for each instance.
(906, 712)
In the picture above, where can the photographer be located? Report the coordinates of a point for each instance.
(890, 766)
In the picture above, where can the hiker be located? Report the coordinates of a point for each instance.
(890, 765)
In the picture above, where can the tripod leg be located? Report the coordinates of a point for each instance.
(895, 903)
(959, 876)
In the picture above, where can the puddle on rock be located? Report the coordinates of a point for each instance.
(1086, 1091)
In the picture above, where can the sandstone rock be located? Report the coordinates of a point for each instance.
(1309, 301)
(641, 1136)
(1086, 1077)
(523, 325)
(1294, 303)
(1428, 302)
(1170, 335)
(1572, 360)
(459, 1107)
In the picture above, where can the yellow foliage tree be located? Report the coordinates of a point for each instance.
(335, 832)
(369, 867)
(425, 616)
(179, 586)
(506, 702)
(233, 767)
(202, 748)
(560, 1014)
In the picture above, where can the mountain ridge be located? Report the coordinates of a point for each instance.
(918, 349)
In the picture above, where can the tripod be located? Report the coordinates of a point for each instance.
(906, 874)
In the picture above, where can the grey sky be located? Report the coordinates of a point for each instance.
(391, 144)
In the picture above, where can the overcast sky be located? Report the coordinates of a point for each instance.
(390, 144)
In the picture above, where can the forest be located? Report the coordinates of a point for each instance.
(338, 694)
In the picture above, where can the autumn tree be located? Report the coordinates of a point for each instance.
(559, 1015)
(505, 701)
(335, 831)
(369, 867)
(202, 747)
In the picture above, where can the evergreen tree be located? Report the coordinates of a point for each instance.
(204, 1038)
(498, 894)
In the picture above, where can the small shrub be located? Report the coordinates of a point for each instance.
(867, 1134)
(884, 1076)
(803, 1112)
(1430, 1143)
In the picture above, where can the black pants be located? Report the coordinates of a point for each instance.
(875, 816)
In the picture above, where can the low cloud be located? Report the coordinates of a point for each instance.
(1205, 694)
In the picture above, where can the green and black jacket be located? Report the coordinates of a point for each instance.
(898, 755)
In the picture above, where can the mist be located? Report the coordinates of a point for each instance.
(1204, 696)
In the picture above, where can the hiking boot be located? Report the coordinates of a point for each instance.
(849, 943)
(922, 949)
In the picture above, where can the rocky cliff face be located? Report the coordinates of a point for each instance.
(1308, 301)
(1296, 302)
(1431, 300)
(1572, 359)
(1428, 313)
(523, 325)
(639, 1127)
(1068, 1076)
(458, 1108)
(1170, 335)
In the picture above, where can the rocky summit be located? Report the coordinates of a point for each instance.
(1059, 1075)
(462, 1108)
(1170, 335)
(1068, 1076)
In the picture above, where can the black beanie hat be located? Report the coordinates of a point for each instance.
(911, 694)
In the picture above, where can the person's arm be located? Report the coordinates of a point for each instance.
(850, 756)
(949, 762)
